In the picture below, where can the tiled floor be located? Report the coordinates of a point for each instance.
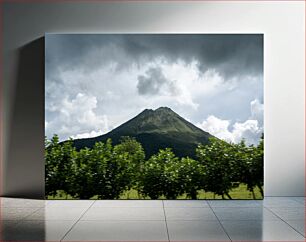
(274, 219)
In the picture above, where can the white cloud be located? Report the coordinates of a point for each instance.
(93, 133)
(164, 81)
(76, 117)
(87, 104)
(250, 130)
(257, 110)
(217, 127)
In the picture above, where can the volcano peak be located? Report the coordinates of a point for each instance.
(156, 129)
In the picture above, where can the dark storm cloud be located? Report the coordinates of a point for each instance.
(232, 55)
(154, 82)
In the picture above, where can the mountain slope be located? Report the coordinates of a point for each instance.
(156, 129)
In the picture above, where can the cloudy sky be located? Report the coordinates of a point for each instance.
(95, 82)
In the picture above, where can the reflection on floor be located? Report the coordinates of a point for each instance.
(274, 219)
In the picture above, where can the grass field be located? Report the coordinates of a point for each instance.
(240, 192)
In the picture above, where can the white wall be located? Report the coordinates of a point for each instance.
(283, 26)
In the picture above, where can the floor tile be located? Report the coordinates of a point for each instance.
(196, 231)
(7, 227)
(127, 203)
(298, 225)
(143, 220)
(185, 203)
(7, 224)
(124, 214)
(118, 231)
(16, 213)
(281, 202)
(39, 230)
(300, 200)
(261, 231)
(235, 203)
(21, 203)
(244, 214)
(289, 212)
(70, 203)
(50, 213)
(189, 214)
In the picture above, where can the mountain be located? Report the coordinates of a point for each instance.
(156, 129)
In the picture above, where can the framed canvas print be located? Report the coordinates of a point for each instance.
(154, 116)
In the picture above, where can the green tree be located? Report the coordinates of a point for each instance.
(83, 175)
(112, 171)
(101, 171)
(219, 164)
(249, 165)
(134, 151)
(159, 176)
(132, 147)
(191, 176)
(244, 165)
(258, 165)
(58, 162)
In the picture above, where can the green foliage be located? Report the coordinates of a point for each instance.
(249, 165)
(84, 173)
(135, 154)
(159, 176)
(115, 171)
(227, 165)
(58, 165)
(220, 166)
(191, 176)
(132, 148)
(258, 165)
(254, 177)
(108, 172)
(165, 175)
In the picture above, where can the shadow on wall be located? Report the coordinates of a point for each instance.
(25, 157)
(28, 230)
